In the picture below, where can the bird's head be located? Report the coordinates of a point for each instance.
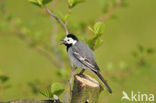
(70, 40)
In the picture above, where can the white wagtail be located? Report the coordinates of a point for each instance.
(81, 56)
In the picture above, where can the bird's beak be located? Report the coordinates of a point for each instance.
(62, 42)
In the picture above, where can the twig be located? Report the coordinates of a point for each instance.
(110, 11)
(29, 41)
(93, 45)
(54, 16)
(2, 4)
(106, 16)
(38, 48)
(53, 42)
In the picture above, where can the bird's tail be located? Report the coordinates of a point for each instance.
(104, 82)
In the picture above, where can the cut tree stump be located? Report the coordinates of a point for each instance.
(85, 89)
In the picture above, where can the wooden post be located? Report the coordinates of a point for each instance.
(85, 89)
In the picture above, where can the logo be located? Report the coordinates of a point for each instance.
(137, 96)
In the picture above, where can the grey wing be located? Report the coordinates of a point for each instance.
(84, 54)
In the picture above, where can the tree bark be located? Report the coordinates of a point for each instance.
(85, 89)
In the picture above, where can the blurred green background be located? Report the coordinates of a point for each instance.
(129, 30)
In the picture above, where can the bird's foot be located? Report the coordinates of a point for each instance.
(82, 71)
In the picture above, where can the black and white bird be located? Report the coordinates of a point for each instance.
(81, 56)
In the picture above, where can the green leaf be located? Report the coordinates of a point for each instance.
(66, 17)
(44, 2)
(73, 3)
(150, 50)
(70, 3)
(99, 42)
(34, 85)
(36, 2)
(4, 78)
(91, 42)
(40, 2)
(79, 1)
(57, 88)
(91, 29)
(96, 42)
(46, 93)
(98, 28)
(140, 48)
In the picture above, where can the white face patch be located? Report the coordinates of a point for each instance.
(69, 40)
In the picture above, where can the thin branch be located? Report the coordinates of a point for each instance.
(53, 42)
(106, 16)
(94, 42)
(110, 11)
(39, 49)
(29, 41)
(2, 4)
(59, 20)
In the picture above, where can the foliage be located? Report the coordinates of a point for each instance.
(73, 3)
(40, 2)
(3, 82)
(35, 86)
(55, 89)
(97, 30)
(141, 53)
(4, 78)
(47, 93)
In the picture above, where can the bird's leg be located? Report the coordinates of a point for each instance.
(82, 71)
